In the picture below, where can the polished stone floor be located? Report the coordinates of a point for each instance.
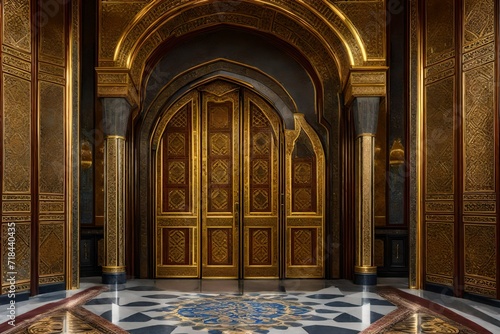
(254, 306)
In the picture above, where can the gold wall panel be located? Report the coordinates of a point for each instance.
(176, 141)
(480, 251)
(22, 249)
(51, 248)
(113, 19)
(369, 18)
(52, 45)
(439, 30)
(17, 134)
(478, 23)
(52, 138)
(439, 250)
(479, 128)
(17, 24)
(439, 137)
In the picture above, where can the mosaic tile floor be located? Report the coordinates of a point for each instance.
(260, 306)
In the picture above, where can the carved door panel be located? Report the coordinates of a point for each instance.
(220, 181)
(224, 179)
(262, 130)
(177, 190)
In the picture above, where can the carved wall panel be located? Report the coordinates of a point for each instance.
(439, 30)
(23, 256)
(52, 138)
(439, 250)
(440, 137)
(479, 128)
(52, 47)
(49, 167)
(472, 136)
(17, 135)
(17, 24)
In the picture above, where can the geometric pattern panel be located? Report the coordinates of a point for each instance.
(22, 247)
(303, 246)
(260, 200)
(440, 29)
(221, 173)
(261, 160)
(260, 246)
(177, 172)
(176, 246)
(480, 250)
(440, 137)
(302, 200)
(16, 141)
(440, 247)
(220, 246)
(260, 172)
(220, 156)
(302, 173)
(219, 200)
(17, 24)
(52, 248)
(177, 201)
(479, 20)
(176, 162)
(51, 120)
(479, 128)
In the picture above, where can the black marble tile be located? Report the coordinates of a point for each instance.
(374, 316)
(103, 301)
(156, 329)
(318, 329)
(161, 296)
(144, 288)
(341, 304)
(324, 296)
(141, 304)
(137, 317)
(346, 317)
(322, 310)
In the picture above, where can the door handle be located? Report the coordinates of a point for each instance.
(236, 212)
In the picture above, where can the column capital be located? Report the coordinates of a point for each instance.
(116, 82)
(116, 113)
(365, 111)
(365, 81)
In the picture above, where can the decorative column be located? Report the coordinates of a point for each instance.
(116, 112)
(365, 112)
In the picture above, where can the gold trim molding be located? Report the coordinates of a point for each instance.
(116, 82)
(365, 81)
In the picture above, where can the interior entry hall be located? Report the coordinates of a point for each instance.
(237, 195)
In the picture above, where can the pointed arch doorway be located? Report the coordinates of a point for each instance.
(237, 195)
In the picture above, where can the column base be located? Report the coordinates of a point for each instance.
(365, 275)
(365, 279)
(114, 275)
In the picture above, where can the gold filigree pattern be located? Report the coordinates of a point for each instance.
(219, 246)
(480, 250)
(176, 246)
(440, 137)
(17, 136)
(261, 242)
(479, 128)
(478, 20)
(23, 251)
(52, 138)
(17, 24)
(303, 250)
(439, 30)
(440, 247)
(52, 248)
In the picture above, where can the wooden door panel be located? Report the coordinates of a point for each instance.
(220, 181)
(262, 130)
(177, 188)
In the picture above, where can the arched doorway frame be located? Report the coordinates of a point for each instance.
(316, 31)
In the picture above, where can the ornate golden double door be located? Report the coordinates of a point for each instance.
(219, 180)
